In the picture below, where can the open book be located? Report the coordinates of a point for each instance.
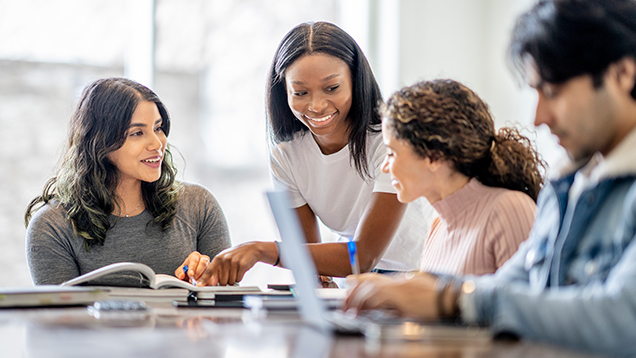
(156, 281)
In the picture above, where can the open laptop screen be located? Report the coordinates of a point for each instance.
(296, 257)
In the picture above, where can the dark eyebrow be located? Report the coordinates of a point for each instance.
(322, 80)
(331, 77)
(133, 125)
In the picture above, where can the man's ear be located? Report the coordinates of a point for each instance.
(626, 75)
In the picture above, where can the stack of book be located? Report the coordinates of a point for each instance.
(51, 295)
(160, 287)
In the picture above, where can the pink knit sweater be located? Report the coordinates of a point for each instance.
(477, 230)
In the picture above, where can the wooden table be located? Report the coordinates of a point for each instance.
(216, 332)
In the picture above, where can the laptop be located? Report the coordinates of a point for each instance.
(315, 312)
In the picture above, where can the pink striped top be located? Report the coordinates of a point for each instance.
(477, 230)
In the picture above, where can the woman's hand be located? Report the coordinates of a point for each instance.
(327, 282)
(196, 263)
(415, 297)
(230, 265)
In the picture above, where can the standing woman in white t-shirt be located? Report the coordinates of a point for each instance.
(322, 103)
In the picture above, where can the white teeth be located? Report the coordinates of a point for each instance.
(321, 119)
(152, 161)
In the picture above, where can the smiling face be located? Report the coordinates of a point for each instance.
(411, 175)
(139, 159)
(319, 94)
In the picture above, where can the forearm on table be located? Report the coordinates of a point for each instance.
(332, 259)
(372, 243)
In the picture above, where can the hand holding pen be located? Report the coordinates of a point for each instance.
(192, 268)
(192, 280)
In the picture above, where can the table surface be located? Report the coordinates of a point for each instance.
(224, 332)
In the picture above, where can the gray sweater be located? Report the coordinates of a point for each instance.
(55, 254)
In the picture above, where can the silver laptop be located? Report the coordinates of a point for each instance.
(313, 310)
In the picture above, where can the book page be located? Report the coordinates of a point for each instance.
(165, 281)
(143, 269)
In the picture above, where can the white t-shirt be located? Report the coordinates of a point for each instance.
(338, 195)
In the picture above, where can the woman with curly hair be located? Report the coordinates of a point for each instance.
(115, 198)
(442, 145)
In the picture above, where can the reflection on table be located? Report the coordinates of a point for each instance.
(217, 332)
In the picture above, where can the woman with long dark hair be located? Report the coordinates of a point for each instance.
(114, 197)
(322, 114)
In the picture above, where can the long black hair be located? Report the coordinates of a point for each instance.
(86, 179)
(329, 39)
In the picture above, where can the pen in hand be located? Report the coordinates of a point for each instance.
(192, 280)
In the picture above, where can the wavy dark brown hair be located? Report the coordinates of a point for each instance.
(445, 120)
(86, 179)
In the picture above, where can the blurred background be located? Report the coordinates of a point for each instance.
(208, 61)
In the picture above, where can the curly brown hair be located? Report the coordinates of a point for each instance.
(444, 119)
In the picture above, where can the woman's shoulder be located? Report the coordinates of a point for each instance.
(196, 204)
(375, 142)
(193, 195)
(300, 140)
(51, 211)
(51, 214)
(509, 201)
(193, 191)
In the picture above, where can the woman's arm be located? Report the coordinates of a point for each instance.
(309, 223)
(509, 224)
(374, 234)
(213, 235)
(48, 248)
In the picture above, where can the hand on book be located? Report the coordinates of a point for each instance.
(196, 264)
(229, 266)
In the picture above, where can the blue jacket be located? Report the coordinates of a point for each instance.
(573, 282)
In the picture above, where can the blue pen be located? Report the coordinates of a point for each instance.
(192, 280)
(353, 256)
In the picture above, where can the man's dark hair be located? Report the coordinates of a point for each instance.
(568, 38)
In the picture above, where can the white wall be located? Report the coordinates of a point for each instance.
(464, 40)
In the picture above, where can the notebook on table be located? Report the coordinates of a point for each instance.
(50, 295)
(296, 257)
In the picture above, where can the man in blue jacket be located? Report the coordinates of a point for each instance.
(573, 282)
